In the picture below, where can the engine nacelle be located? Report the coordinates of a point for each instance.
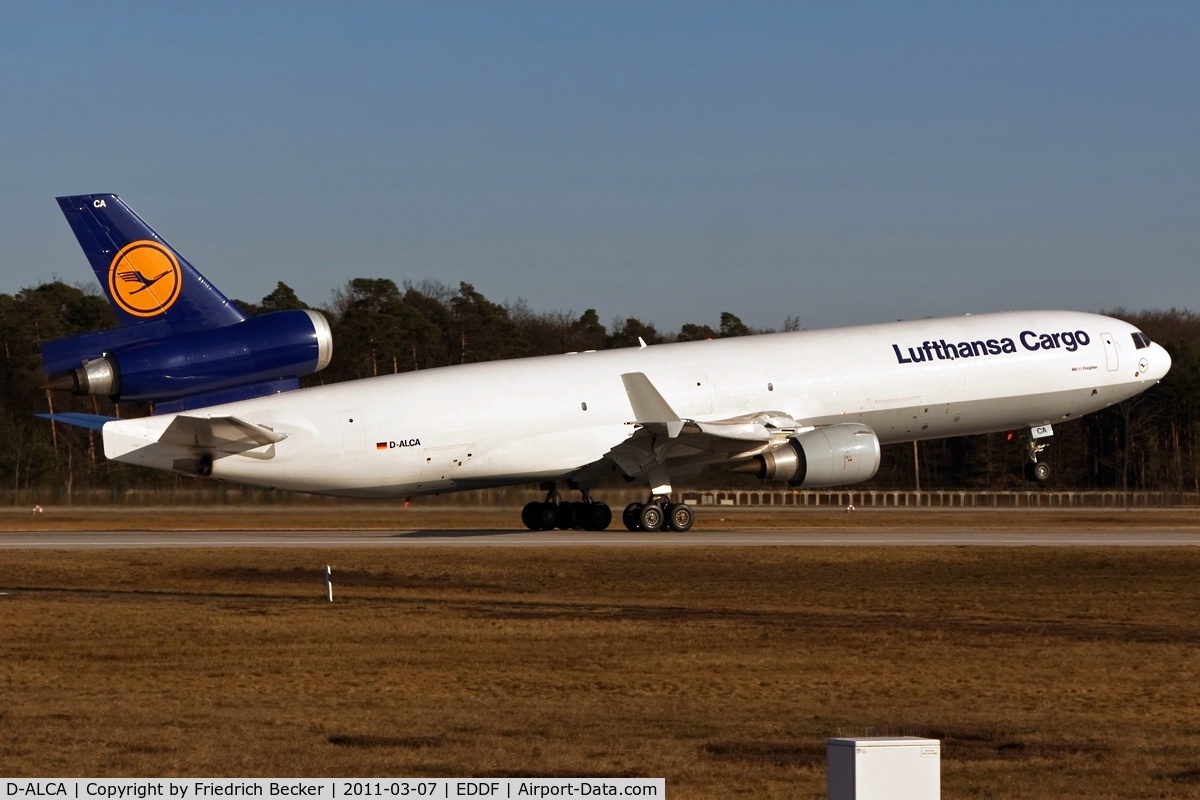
(834, 455)
(284, 344)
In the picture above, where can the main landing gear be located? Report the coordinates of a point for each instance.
(588, 514)
(657, 514)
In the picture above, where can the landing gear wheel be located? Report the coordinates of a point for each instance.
(531, 515)
(1040, 471)
(680, 517)
(594, 516)
(539, 516)
(630, 516)
(651, 517)
(566, 519)
(547, 516)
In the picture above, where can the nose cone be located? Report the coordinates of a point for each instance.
(1158, 362)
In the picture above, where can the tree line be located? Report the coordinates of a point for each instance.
(1150, 442)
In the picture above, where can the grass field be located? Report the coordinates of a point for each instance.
(1045, 672)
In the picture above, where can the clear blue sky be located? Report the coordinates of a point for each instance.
(844, 163)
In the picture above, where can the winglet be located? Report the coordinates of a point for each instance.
(649, 407)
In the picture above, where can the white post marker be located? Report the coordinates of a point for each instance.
(329, 581)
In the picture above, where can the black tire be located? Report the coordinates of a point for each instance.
(630, 516)
(531, 515)
(547, 517)
(1037, 472)
(680, 517)
(595, 516)
(566, 516)
(651, 517)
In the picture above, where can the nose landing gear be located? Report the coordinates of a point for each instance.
(1035, 470)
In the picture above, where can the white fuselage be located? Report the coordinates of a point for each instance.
(540, 419)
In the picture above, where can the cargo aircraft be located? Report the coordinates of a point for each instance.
(809, 409)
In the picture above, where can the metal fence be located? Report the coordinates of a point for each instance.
(221, 494)
(946, 499)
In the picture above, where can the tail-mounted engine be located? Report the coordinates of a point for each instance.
(258, 350)
(833, 455)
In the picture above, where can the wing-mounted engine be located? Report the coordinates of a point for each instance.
(833, 455)
(160, 366)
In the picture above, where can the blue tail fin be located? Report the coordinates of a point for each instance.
(144, 278)
(181, 343)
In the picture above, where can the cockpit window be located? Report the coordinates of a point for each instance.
(1140, 340)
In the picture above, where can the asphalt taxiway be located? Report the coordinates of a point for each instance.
(874, 537)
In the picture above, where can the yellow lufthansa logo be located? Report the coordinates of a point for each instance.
(144, 278)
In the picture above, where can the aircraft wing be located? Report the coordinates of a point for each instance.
(689, 445)
(652, 412)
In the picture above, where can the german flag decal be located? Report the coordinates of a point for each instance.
(381, 445)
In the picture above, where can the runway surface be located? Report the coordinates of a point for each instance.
(132, 540)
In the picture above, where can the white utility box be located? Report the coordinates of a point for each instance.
(884, 768)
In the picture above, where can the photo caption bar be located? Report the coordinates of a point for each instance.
(326, 788)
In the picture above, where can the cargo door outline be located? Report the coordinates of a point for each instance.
(443, 467)
(353, 437)
(1110, 351)
(700, 393)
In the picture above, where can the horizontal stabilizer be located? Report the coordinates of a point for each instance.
(218, 433)
(93, 422)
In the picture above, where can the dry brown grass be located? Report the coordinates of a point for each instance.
(1046, 672)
